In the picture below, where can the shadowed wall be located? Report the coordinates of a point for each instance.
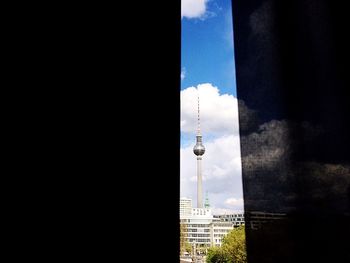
(292, 83)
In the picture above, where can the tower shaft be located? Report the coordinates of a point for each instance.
(199, 182)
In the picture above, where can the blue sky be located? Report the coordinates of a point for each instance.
(208, 72)
(207, 48)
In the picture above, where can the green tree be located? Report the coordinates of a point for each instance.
(234, 245)
(184, 244)
(233, 249)
(217, 255)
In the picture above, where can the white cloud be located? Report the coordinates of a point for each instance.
(221, 166)
(193, 8)
(183, 73)
(218, 112)
(234, 202)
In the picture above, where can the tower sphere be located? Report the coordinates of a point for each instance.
(199, 149)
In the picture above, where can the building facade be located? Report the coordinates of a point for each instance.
(219, 230)
(202, 228)
(185, 207)
(198, 229)
(236, 219)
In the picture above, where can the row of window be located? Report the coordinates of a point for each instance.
(223, 225)
(198, 235)
(198, 225)
(233, 219)
(195, 230)
(231, 216)
(191, 240)
(222, 230)
(219, 235)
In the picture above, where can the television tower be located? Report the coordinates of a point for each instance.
(199, 150)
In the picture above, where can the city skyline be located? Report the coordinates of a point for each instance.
(208, 72)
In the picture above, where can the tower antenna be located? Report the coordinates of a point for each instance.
(198, 119)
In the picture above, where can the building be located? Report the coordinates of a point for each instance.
(219, 229)
(185, 207)
(201, 228)
(236, 219)
(197, 228)
(196, 222)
